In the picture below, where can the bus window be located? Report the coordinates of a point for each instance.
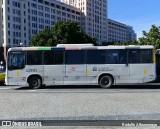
(102, 59)
(134, 56)
(16, 60)
(158, 63)
(140, 56)
(92, 57)
(75, 57)
(51, 57)
(96, 57)
(113, 57)
(34, 58)
(122, 56)
(146, 56)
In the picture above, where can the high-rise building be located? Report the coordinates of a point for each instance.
(22, 19)
(94, 18)
(131, 35)
(119, 32)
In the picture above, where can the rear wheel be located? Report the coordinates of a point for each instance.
(35, 82)
(106, 81)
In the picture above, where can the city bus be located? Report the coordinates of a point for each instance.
(80, 65)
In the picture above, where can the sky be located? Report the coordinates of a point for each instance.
(140, 14)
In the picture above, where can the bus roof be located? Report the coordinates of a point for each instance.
(80, 48)
(73, 45)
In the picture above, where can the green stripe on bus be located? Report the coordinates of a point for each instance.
(45, 48)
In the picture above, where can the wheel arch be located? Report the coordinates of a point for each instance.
(104, 74)
(34, 75)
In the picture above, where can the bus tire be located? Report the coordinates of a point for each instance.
(106, 81)
(35, 82)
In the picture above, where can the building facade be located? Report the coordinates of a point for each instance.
(119, 32)
(131, 35)
(22, 19)
(94, 18)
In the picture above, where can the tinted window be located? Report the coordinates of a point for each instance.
(158, 64)
(34, 57)
(146, 56)
(134, 56)
(51, 57)
(140, 56)
(75, 57)
(102, 57)
(123, 56)
(96, 57)
(113, 56)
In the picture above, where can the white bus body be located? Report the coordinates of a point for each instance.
(103, 65)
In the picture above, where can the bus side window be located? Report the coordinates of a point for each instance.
(96, 57)
(122, 56)
(113, 57)
(140, 56)
(34, 58)
(134, 56)
(102, 59)
(146, 56)
(74, 57)
(59, 57)
(122, 60)
(49, 58)
(53, 57)
(92, 57)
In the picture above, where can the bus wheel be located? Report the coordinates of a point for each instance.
(35, 82)
(106, 81)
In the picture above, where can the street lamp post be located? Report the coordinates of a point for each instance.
(5, 51)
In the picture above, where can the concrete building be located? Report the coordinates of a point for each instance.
(119, 32)
(131, 35)
(94, 20)
(22, 19)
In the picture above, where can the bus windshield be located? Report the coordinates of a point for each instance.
(16, 60)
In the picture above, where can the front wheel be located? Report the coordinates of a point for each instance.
(106, 81)
(35, 82)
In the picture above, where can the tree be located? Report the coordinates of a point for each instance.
(62, 33)
(152, 37)
(70, 33)
(107, 43)
(121, 43)
(44, 38)
(134, 42)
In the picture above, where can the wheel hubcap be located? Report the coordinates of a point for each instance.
(105, 81)
(34, 83)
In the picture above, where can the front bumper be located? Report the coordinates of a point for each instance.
(2, 77)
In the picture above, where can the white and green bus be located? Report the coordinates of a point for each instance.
(80, 65)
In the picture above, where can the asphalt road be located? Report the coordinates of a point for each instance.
(122, 102)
